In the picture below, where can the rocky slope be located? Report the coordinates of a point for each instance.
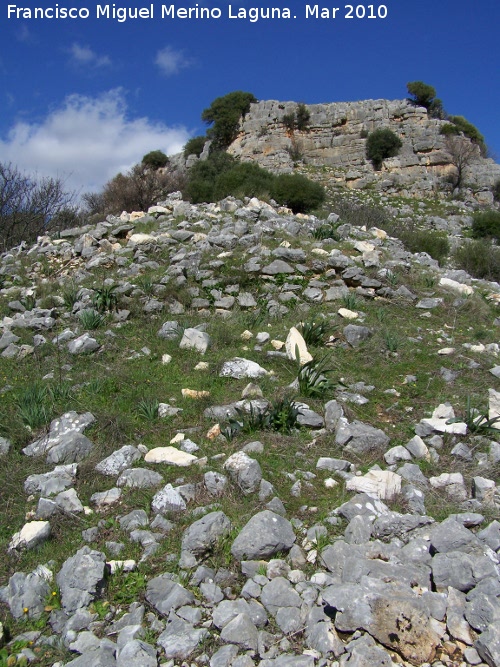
(221, 541)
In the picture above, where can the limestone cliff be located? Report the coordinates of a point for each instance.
(336, 138)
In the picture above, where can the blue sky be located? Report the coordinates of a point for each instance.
(86, 98)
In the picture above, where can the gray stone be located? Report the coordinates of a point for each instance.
(118, 461)
(26, 591)
(240, 631)
(194, 339)
(31, 534)
(103, 499)
(224, 657)
(456, 624)
(215, 483)
(491, 535)
(168, 499)
(263, 536)
(139, 478)
(359, 438)
(204, 534)
(333, 465)
(59, 429)
(170, 330)
(84, 344)
(5, 446)
(359, 530)
(51, 483)
(242, 368)
(133, 520)
(453, 569)
(81, 579)
(180, 639)
(164, 594)
(364, 505)
(73, 447)
(488, 645)
(482, 611)
(276, 267)
(244, 471)
(451, 536)
(279, 593)
(355, 334)
(104, 656)
(397, 454)
(137, 653)
(365, 653)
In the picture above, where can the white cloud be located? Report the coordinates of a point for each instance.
(171, 61)
(83, 55)
(87, 141)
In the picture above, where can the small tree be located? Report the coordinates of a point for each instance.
(423, 95)
(224, 115)
(463, 152)
(30, 206)
(381, 144)
(155, 160)
(303, 117)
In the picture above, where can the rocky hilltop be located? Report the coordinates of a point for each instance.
(336, 138)
(230, 440)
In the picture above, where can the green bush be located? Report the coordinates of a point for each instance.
(155, 160)
(486, 224)
(224, 115)
(288, 121)
(479, 258)
(222, 175)
(297, 192)
(434, 244)
(468, 129)
(246, 179)
(449, 129)
(381, 144)
(195, 146)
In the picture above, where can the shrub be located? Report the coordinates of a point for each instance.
(155, 160)
(202, 176)
(105, 298)
(449, 129)
(313, 381)
(435, 244)
(288, 121)
(224, 115)
(195, 146)
(468, 129)
(496, 191)
(297, 192)
(479, 258)
(245, 179)
(381, 144)
(486, 224)
(136, 190)
(90, 319)
(303, 117)
(360, 215)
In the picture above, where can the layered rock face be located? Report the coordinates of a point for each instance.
(336, 138)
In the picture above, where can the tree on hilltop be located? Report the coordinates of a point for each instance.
(224, 115)
(424, 95)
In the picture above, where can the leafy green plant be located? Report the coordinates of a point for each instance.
(478, 423)
(91, 319)
(146, 284)
(382, 144)
(391, 340)
(70, 294)
(127, 587)
(33, 406)
(224, 116)
(29, 301)
(312, 378)
(105, 298)
(423, 95)
(351, 301)
(148, 409)
(282, 415)
(326, 231)
(314, 332)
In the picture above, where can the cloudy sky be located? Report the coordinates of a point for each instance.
(84, 98)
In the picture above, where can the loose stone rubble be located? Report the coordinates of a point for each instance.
(364, 586)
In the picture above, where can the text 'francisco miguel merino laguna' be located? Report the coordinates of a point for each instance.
(252, 14)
